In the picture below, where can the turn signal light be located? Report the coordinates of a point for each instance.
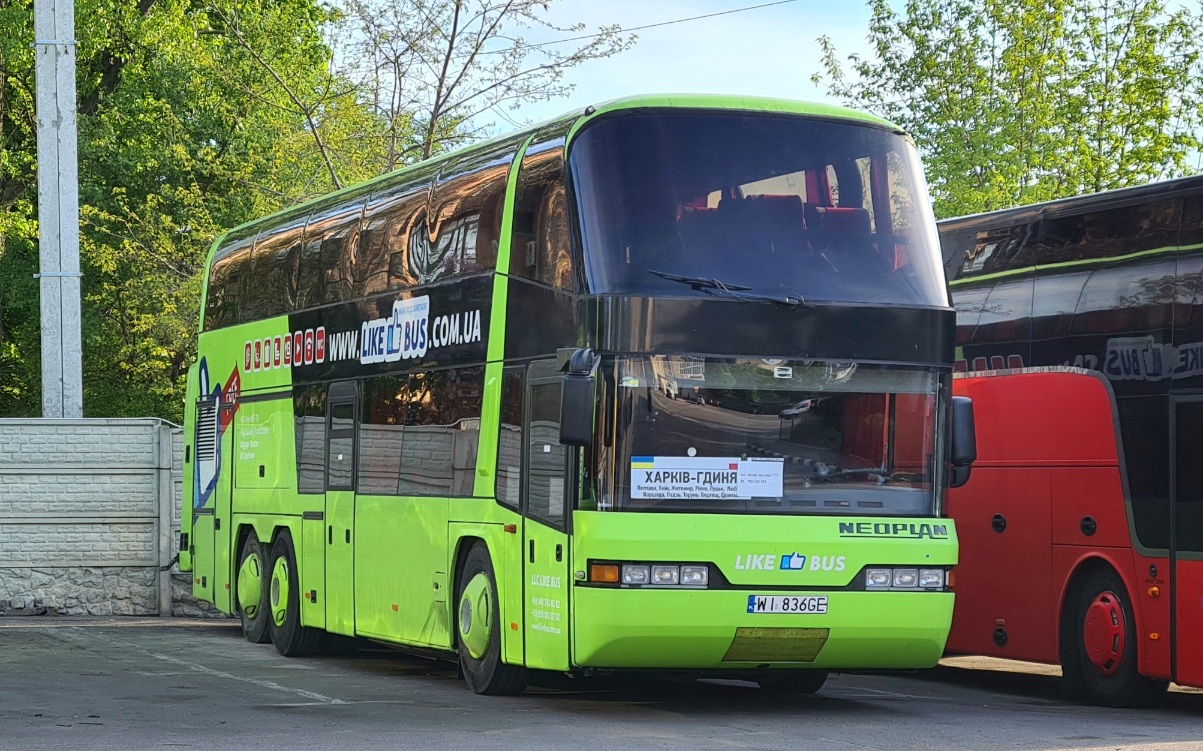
(1154, 592)
(605, 573)
(647, 574)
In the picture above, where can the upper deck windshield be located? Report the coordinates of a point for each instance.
(774, 204)
(767, 436)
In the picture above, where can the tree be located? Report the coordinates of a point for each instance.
(184, 131)
(1028, 100)
(432, 68)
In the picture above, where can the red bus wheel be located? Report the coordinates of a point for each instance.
(1099, 645)
(1104, 632)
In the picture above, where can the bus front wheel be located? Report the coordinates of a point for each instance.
(478, 629)
(252, 594)
(284, 607)
(1099, 659)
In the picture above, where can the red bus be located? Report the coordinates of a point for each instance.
(1082, 523)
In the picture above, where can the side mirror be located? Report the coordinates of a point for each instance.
(580, 394)
(964, 441)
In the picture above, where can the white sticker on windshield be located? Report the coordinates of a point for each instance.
(709, 478)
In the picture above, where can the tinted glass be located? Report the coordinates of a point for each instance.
(397, 210)
(1132, 298)
(462, 229)
(330, 255)
(340, 457)
(1145, 430)
(270, 288)
(509, 439)
(746, 436)
(342, 461)
(1006, 313)
(546, 487)
(309, 407)
(785, 205)
(382, 417)
(230, 263)
(1188, 482)
(439, 415)
(540, 246)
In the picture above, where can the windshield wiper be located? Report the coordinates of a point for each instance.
(698, 283)
(739, 292)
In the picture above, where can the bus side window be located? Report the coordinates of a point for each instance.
(540, 240)
(310, 415)
(266, 289)
(328, 258)
(223, 296)
(392, 216)
(546, 484)
(464, 219)
(419, 434)
(509, 440)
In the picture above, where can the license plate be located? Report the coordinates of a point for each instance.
(809, 604)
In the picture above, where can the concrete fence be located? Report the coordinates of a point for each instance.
(89, 517)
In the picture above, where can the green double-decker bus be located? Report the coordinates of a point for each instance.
(660, 385)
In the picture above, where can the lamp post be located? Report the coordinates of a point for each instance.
(58, 208)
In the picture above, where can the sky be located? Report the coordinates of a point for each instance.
(770, 51)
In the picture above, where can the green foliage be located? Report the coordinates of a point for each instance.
(194, 117)
(1028, 100)
(198, 115)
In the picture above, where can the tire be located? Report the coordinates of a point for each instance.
(284, 608)
(251, 590)
(480, 648)
(799, 682)
(1099, 647)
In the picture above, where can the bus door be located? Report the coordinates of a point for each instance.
(222, 501)
(1186, 567)
(341, 418)
(545, 538)
(212, 485)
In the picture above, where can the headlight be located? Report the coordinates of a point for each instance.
(878, 577)
(635, 574)
(695, 576)
(931, 578)
(906, 577)
(666, 574)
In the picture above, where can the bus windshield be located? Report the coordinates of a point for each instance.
(825, 210)
(769, 436)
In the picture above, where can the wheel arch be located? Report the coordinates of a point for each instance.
(494, 538)
(1085, 567)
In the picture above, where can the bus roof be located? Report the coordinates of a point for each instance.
(1076, 204)
(583, 116)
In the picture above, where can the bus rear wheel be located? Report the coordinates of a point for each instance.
(799, 682)
(284, 607)
(1098, 661)
(478, 629)
(251, 592)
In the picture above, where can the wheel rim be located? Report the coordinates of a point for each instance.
(1104, 633)
(250, 585)
(279, 591)
(476, 616)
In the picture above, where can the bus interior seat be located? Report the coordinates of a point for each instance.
(846, 238)
(767, 222)
(838, 220)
